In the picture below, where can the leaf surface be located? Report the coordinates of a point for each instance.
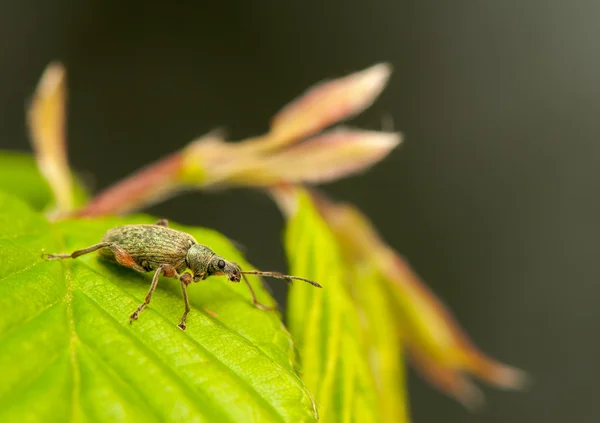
(68, 352)
(348, 359)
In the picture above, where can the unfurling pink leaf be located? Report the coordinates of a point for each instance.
(328, 103)
(159, 180)
(434, 336)
(324, 158)
(210, 162)
(46, 121)
(146, 186)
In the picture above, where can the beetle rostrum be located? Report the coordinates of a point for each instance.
(204, 262)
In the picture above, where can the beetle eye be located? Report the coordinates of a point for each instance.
(221, 264)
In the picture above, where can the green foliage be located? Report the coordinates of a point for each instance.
(20, 176)
(68, 352)
(336, 328)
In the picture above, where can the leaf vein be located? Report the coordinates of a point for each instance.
(20, 271)
(93, 354)
(30, 319)
(187, 387)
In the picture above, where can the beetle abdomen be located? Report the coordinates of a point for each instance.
(150, 245)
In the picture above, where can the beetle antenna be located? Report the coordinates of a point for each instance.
(278, 275)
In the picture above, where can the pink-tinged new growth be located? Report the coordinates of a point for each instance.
(46, 121)
(272, 158)
(146, 186)
(329, 102)
(435, 340)
(438, 346)
(332, 155)
(324, 158)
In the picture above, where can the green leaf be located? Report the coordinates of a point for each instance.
(346, 332)
(68, 352)
(20, 176)
(31, 187)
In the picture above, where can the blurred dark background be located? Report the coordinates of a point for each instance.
(493, 196)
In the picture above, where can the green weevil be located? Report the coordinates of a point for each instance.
(169, 253)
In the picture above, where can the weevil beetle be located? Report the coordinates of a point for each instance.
(169, 253)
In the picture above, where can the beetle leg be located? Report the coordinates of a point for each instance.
(164, 269)
(121, 256)
(162, 222)
(136, 313)
(185, 280)
(254, 300)
(78, 253)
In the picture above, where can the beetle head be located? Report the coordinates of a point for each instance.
(219, 266)
(204, 263)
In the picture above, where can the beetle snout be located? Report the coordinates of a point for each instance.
(235, 276)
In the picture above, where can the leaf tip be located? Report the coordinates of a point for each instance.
(329, 102)
(510, 378)
(52, 78)
(374, 79)
(469, 395)
(385, 141)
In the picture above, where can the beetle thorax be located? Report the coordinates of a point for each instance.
(198, 258)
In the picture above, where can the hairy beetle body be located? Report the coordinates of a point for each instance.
(150, 245)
